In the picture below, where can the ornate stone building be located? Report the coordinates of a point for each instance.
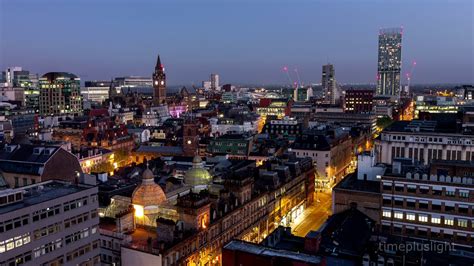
(246, 204)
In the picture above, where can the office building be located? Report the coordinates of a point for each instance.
(159, 83)
(96, 91)
(423, 141)
(437, 205)
(60, 94)
(287, 127)
(331, 93)
(13, 94)
(206, 85)
(32, 99)
(274, 107)
(215, 82)
(132, 82)
(465, 93)
(18, 77)
(434, 104)
(358, 101)
(49, 223)
(389, 62)
(338, 117)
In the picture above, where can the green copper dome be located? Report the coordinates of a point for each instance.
(197, 175)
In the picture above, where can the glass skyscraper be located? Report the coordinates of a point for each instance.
(389, 61)
(60, 94)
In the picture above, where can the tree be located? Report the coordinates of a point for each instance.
(383, 122)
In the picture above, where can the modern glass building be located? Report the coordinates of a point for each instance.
(60, 93)
(96, 91)
(389, 61)
(328, 82)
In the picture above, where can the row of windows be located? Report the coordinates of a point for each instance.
(13, 223)
(283, 131)
(410, 203)
(47, 248)
(47, 230)
(426, 190)
(76, 220)
(18, 260)
(71, 205)
(82, 250)
(410, 231)
(312, 154)
(45, 213)
(424, 218)
(25, 181)
(431, 139)
(14, 242)
(77, 236)
(7, 199)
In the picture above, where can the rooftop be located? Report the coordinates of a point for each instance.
(58, 75)
(446, 126)
(252, 248)
(27, 153)
(339, 236)
(350, 182)
(172, 150)
(41, 192)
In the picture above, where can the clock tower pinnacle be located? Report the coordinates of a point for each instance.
(159, 83)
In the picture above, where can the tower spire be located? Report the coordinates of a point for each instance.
(159, 83)
(112, 90)
(158, 63)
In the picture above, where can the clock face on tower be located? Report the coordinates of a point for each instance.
(156, 82)
(189, 141)
(162, 82)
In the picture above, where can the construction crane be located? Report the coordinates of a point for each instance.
(285, 69)
(298, 77)
(410, 75)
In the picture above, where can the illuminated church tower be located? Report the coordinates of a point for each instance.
(159, 83)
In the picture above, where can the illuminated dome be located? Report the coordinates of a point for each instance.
(197, 175)
(148, 193)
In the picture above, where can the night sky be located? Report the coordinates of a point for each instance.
(244, 41)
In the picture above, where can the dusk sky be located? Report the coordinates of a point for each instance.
(244, 41)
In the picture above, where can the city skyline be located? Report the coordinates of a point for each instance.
(118, 40)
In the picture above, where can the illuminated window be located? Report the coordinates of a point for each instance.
(410, 216)
(448, 221)
(387, 214)
(462, 222)
(423, 218)
(398, 215)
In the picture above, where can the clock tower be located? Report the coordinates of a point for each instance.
(190, 137)
(159, 83)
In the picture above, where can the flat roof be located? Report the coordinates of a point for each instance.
(270, 252)
(350, 182)
(42, 192)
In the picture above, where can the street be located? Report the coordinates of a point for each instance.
(315, 215)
